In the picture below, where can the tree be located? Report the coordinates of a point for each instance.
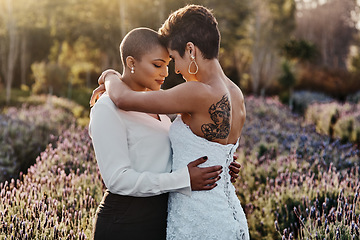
(330, 27)
(287, 79)
(9, 54)
(272, 23)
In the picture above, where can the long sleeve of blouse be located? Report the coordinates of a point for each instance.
(132, 164)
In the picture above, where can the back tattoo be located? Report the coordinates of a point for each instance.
(220, 114)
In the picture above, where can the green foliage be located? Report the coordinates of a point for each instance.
(287, 78)
(271, 23)
(337, 120)
(355, 63)
(288, 173)
(82, 97)
(336, 83)
(287, 165)
(81, 40)
(354, 98)
(49, 78)
(303, 99)
(330, 216)
(79, 112)
(283, 14)
(15, 95)
(25, 131)
(81, 58)
(58, 196)
(301, 50)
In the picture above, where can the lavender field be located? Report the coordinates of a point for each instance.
(295, 183)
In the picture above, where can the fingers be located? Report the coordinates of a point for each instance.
(235, 157)
(101, 79)
(234, 168)
(211, 169)
(209, 187)
(209, 182)
(197, 161)
(99, 90)
(96, 94)
(234, 175)
(235, 164)
(93, 98)
(212, 175)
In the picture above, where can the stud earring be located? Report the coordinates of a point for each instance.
(132, 70)
(197, 67)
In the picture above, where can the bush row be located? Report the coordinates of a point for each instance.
(58, 196)
(336, 120)
(25, 131)
(289, 171)
(287, 164)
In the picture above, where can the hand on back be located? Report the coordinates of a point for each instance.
(206, 178)
(97, 92)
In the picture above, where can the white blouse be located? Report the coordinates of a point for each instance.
(133, 152)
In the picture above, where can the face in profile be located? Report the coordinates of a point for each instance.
(182, 64)
(152, 69)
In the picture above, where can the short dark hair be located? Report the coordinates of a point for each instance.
(138, 42)
(192, 23)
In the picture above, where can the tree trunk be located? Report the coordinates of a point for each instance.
(255, 65)
(24, 59)
(291, 100)
(13, 51)
(88, 78)
(122, 8)
(161, 11)
(3, 60)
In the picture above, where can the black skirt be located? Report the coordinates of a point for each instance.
(126, 217)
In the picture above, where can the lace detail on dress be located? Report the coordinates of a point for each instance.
(214, 214)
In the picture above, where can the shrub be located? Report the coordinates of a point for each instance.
(25, 132)
(333, 213)
(303, 99)
(49, 78)
(58, 196)
(286, 164)
(337, 83)
(354, 98)
(337, 120)
(78, 111)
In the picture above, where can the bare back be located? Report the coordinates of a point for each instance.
(221, 116)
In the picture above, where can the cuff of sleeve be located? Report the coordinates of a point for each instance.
(186, 177)
(177, 181)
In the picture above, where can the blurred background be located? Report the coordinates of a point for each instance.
(268, 47)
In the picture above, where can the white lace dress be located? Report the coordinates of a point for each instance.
(215, 214)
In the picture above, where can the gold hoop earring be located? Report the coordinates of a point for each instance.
(132, 70)
(197, 67)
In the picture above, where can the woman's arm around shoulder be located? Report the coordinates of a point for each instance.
(185, 97)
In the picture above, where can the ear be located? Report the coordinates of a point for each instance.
(190, 48)
(130, 62)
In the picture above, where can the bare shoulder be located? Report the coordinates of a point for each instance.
(235, 92)
(196, 85)
(199, 90)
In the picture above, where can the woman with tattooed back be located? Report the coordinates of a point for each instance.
(211, 120)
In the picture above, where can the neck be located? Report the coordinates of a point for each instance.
(129, 80)
(209, 70)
